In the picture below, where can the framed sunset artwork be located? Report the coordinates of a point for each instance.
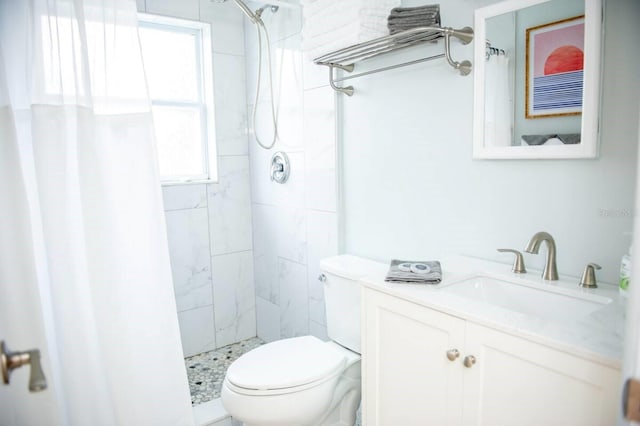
(554, 68)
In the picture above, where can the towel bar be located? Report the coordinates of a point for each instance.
(346, 58)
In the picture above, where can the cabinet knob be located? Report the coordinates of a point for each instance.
(452, 354)
(469, 360)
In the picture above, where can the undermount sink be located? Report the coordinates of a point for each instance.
(551, 304)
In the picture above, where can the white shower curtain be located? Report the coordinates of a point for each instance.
(84, 169)
(498, 121)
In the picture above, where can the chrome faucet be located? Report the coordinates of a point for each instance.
(550, 272)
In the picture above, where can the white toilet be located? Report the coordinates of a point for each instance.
(303, 380)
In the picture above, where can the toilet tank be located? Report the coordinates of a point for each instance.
(342, 296)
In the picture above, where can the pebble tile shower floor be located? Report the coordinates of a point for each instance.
(206, 370)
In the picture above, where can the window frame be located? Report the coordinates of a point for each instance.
(205, 104)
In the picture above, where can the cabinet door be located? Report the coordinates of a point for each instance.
(516, 381)
(407, 378)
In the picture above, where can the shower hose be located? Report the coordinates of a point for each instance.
(274, 115)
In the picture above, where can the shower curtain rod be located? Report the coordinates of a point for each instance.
(493, 50)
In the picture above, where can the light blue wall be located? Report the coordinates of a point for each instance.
(412, 190)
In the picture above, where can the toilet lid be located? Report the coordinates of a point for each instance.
(285, 363)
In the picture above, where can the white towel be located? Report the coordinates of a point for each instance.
(337, 10)
(337, 7)
(338, 39)
(331, 24)
(327, 24)
(337, 13)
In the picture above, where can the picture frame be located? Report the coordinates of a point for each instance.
(554, 68)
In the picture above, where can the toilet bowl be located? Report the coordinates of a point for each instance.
(298, 381)
(303, 381)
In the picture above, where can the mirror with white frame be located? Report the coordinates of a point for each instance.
(537, 79)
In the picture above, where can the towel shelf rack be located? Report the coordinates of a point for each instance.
(345, 59)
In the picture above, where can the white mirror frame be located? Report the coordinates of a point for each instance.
(588, 146)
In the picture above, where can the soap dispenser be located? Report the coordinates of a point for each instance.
(625, 272)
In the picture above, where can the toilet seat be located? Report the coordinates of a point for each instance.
(285, 366)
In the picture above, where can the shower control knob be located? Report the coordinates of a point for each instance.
(452, 354)
(280, 167)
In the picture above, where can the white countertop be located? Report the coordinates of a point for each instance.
(599, 336)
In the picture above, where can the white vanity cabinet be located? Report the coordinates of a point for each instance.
(409, 380)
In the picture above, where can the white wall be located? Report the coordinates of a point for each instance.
(412, 190)
(295, 224)
(209, 225)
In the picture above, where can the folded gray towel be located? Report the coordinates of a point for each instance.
(569, 138)
(413, 21)
(424, 15)
(411, 11)
(566, 138)
(419, 272)
(393, 29)
(405, 18)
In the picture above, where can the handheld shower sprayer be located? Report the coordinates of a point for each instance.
(255, 17)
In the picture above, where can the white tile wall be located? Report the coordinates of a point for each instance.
(189, 251)
(322, 241)
(231, 115)
(268, 319)
(320, 149)
(234, 297)
(262, 188)
(178, 197)
(314, 75)
(291, 194)
(294, 224)
(187, 9)
(320, 128)
(265, 256)
(294, 296)
(197, 330)
(227, 31)
(318, 330)
(292, 234)
(230, 207)
(320, 189)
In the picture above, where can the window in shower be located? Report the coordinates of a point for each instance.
(177, 61)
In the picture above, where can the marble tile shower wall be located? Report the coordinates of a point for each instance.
(295, 224)
(209, 225)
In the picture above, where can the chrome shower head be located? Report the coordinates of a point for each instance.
(259, 11)
(253, 16)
